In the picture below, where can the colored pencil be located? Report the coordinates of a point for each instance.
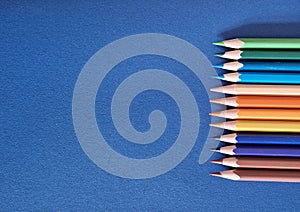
(260, 66)
(260, 162)
(260, 150)
(260, 126)
(259, 114)
(262, 77)
(260, 175)
(261, 43)
(255, 89)
(260, 101)
(260, 55)
(261, 138)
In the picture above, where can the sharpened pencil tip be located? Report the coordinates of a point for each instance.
(217, 138)
(218, 66)
(215, 113)
(215, 150)
(218, 55)
(218, 77)
(216, 174)
(220, 43)
(219, 161)
(219, 125)
(217, 101)
(218, 89)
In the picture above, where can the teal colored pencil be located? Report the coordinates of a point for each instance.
(261, 66)
(261, 43)
(260, 55)
(262, 77)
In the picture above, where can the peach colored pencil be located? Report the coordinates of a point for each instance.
(255, 89)
(260, 101)
(260, 175)
(260, 162)
(266, 114)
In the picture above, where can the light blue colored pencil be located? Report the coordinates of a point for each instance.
(261, 66)
(262, 77)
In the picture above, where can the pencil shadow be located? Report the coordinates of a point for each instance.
(276, 30)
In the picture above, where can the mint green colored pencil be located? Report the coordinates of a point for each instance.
(261, 55)
(261, 43)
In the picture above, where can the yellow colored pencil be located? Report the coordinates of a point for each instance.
(260, 126)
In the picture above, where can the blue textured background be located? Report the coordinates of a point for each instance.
(43, 47)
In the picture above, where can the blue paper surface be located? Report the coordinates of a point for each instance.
(44, 46)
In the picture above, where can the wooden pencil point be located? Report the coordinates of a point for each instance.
(232, 66)
(229, 138)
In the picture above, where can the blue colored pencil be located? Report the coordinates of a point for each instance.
(260, 150)
(262, 77)
(260, 138)
(261, 66)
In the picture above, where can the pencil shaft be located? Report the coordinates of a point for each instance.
(271, 43)
(260, 114)
(254, 138)
(267, 126)
(258, 89)
(271, 66)
(261, 126)
(275, 78)
(262, 43)
(267, 175)
(262, 55)
(267, 150)
(263, 162)
(268, 101)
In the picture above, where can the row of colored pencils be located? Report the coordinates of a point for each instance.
(265, 110)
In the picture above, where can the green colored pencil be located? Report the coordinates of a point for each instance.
(261, 55)
(261, 43)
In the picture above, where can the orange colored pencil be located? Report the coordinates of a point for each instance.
(260, 101)
(257, 89)
(264, 114)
